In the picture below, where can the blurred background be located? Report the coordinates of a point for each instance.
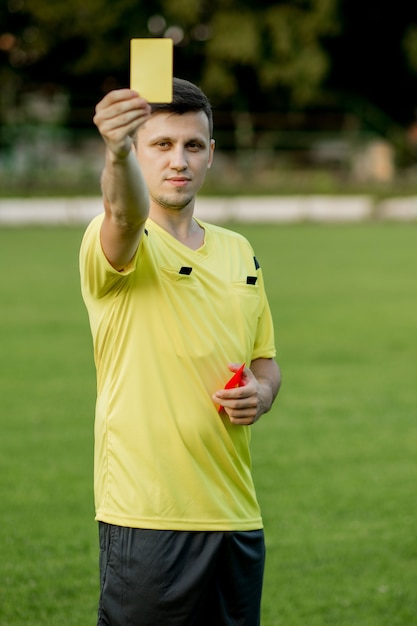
(311, 97)
(314, 96)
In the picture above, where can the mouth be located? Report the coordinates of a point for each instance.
(178, 181)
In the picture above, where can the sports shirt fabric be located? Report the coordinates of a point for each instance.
(164, 330)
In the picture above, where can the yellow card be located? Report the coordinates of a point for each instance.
(151, 64)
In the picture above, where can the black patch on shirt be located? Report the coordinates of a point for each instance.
(185, 270)
(251, 280)
(257, 266)
(146, 232)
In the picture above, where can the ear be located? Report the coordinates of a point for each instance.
(211, 155)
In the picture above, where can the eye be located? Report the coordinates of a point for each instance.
(194, 146)
(163, 145)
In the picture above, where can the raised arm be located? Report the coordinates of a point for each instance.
(118, 115)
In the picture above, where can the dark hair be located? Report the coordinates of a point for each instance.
(186, 98)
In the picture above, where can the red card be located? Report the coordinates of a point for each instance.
(235, 381)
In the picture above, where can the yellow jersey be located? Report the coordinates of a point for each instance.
(164, 330)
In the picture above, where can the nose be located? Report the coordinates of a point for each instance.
(178, 158)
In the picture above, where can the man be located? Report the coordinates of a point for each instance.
(175, 306)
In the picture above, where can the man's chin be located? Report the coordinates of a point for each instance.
(175, 202)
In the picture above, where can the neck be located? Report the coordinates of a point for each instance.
(181, 224)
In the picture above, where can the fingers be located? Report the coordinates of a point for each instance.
(118, 115)
(242, 415)
(241, 404)
(119, 102)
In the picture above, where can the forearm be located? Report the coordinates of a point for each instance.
(124, 190)
(117, 117)
(268, 376)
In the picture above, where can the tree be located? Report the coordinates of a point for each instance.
(75, 45)
(269, 51)
(247, 54)
(238, 51)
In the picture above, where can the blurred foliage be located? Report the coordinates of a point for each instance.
(249, 55)
(270, 50)
(233, 48)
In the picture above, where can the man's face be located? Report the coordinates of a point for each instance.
(174, 152)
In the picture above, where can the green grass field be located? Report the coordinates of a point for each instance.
(335, 461)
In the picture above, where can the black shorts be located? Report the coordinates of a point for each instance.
(176, 578)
